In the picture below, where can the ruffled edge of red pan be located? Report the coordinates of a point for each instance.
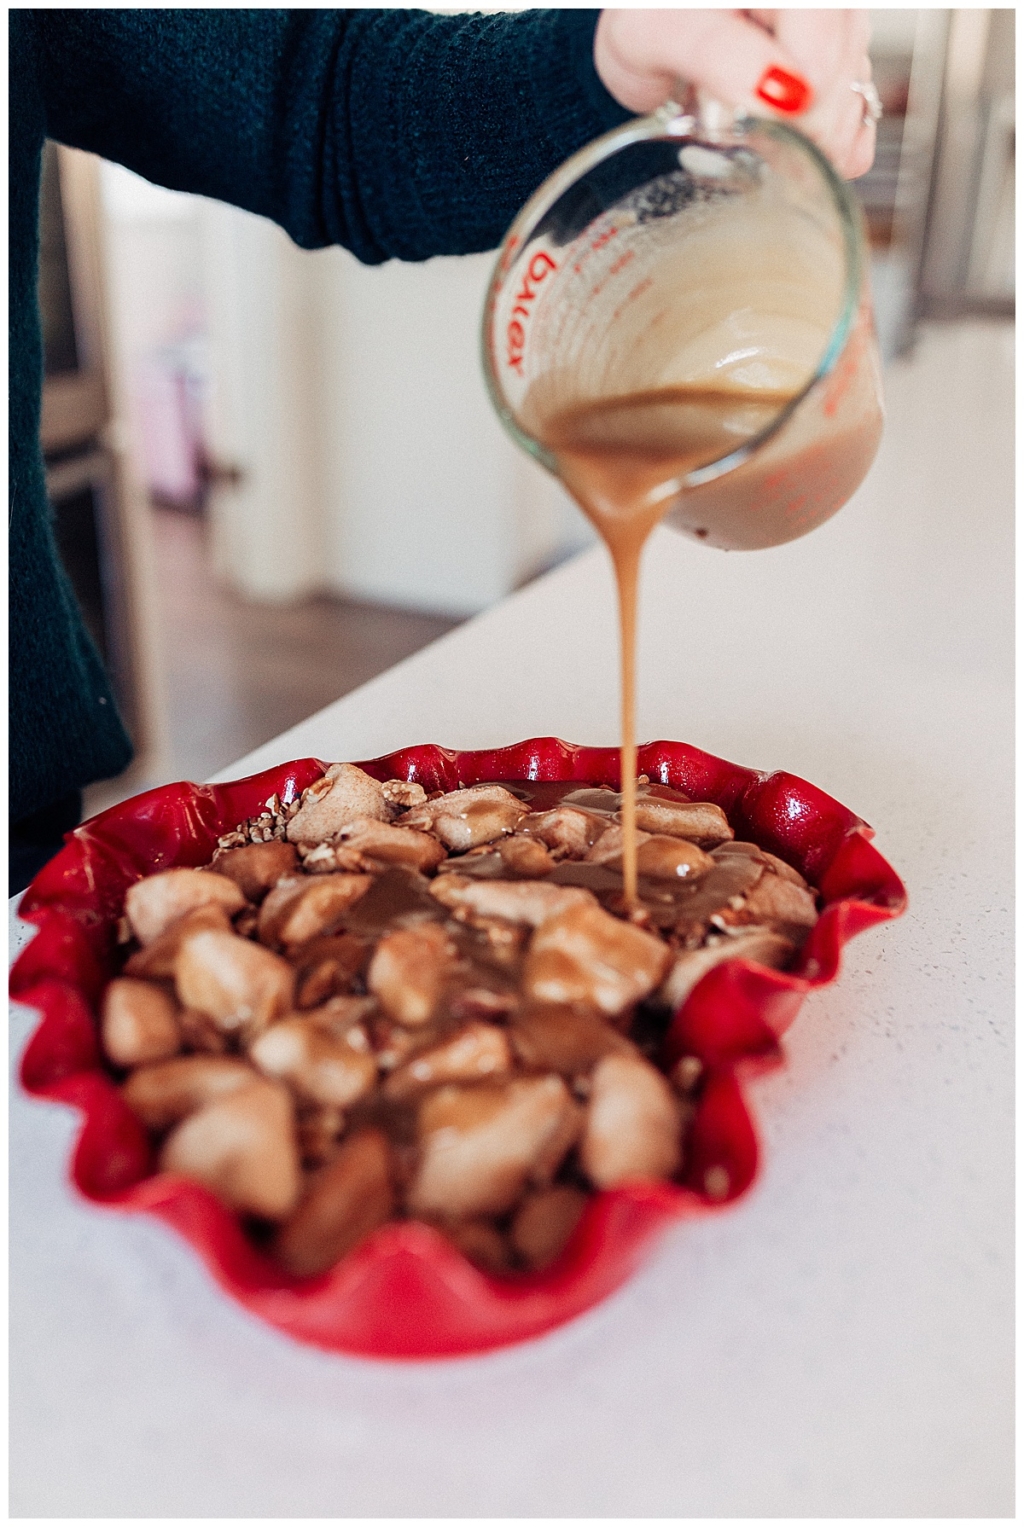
(406, 1292)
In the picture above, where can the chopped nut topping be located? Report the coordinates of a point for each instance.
(267, 826)
(403, 794)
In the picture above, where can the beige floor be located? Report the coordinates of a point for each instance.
(238, 673)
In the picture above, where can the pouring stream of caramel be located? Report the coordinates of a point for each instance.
(624, 459)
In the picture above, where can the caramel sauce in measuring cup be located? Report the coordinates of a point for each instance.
(677, 328)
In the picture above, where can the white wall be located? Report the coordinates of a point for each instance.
(352, 402)
(268, 533)
(430, 504)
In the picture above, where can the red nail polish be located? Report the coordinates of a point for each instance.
(784, 91)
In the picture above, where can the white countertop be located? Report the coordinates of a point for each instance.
(838, 1343)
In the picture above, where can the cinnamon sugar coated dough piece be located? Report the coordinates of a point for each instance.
(343, 1203)
(243, 1147)
(409, 971)
(138, 1023)
(482, 1145)
(317, 1067)
(515, 901)
(153, 904)
(379, 1004)
(331, 803)
(301, 908)
(365, 844)
(256, 867)
(162, 1094)
(479, 1052)
(585, 955)
(238, 984)
(157, 960)
(465, 818)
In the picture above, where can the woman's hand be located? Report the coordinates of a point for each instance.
(797, 65)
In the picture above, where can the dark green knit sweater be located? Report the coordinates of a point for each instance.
(394, 133)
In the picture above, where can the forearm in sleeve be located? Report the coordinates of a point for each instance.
(394, 133)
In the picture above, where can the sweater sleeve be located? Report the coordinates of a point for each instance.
(394, 133)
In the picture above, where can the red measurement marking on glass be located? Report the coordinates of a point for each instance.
(539, 268)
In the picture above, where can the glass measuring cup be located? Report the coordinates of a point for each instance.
(678, 326)
(680, 315)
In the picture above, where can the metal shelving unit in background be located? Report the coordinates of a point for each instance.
(939, 200)
(967, 260)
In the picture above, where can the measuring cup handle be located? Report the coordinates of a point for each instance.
(697, 112)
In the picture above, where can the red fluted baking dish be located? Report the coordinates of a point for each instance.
(406, 1292)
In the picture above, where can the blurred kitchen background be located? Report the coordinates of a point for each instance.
(276, 473)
